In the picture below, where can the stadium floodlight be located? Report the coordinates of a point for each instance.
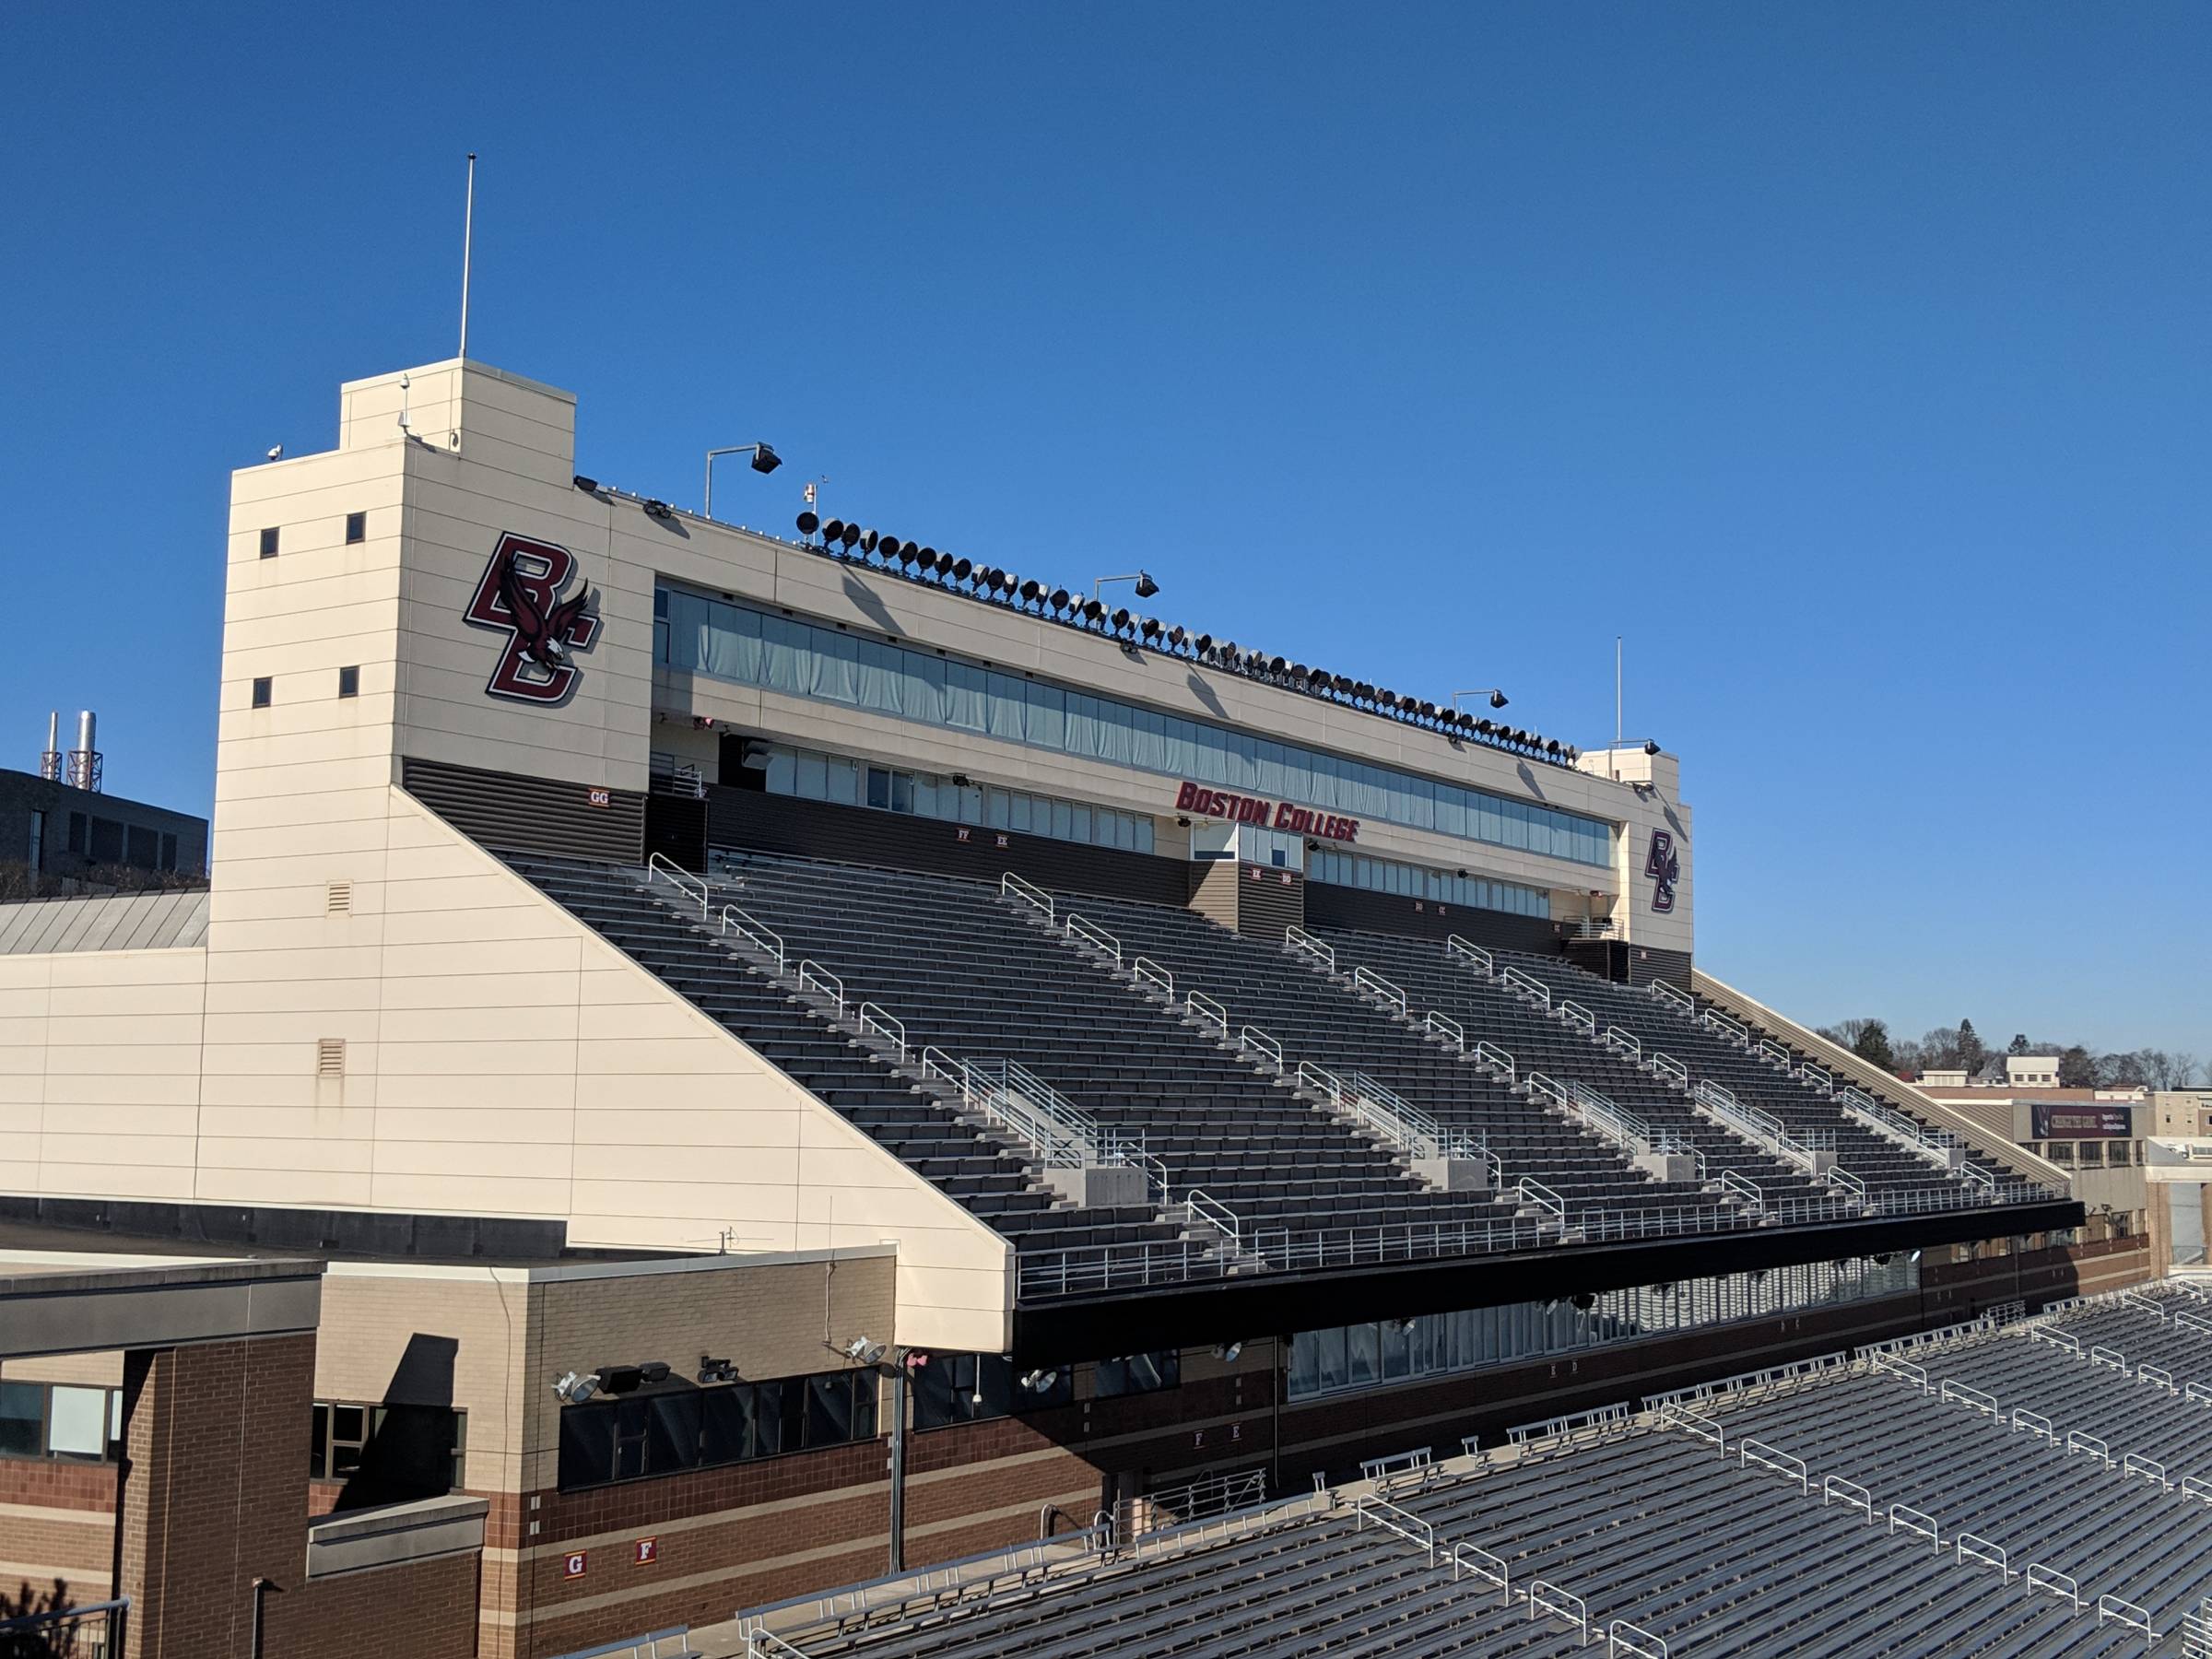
(1031, 591)
(808, 522)
(961, 569)
(1149, 627)
(1176, 637)
(656, 507)
(1060, 601)
(765, 460)
(589, 486)
(1498, 698)
(850, 536)
(1145, 586)
(1652, 746)
(868, 539)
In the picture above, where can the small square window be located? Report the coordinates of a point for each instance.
(261, 691)
(357, 528)
(349, 681)
(268, 542)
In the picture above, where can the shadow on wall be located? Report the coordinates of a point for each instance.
(415, 1449)
(61, 1640)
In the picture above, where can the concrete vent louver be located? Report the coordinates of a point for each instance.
(338, 899)
(330, 1056)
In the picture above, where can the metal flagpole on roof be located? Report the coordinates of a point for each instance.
(468, 226)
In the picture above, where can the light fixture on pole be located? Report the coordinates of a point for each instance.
(1145, 586)
(765, 460)
(1498, 698)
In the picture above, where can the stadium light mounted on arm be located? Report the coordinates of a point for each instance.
(1145, 586)
(765, 460)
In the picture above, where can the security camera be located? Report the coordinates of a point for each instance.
(275, 451)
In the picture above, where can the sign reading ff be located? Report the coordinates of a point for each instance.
(520, 596)
(1664, 866)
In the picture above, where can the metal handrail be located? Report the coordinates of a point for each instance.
(1809, 1073)
(1775, 1459)
(1093, 934)
(2041, 1577)
(1202, 1006)
(1666, 1066)
(1151, 974)
(1621, 1637)
(1390, 1517)
(1490, 1054)
(1375, 984)
(1627, 1042)
(1204, 1206)
(1731, 1028)
(1251, 1037)
(1297, 938)
(813, 976)
(1668, 993)
(1538, 1083)
(1516, 980)
(1535, 1191)
(1601, 1112)
(748, 928)
(1548, 1600)
(1479, 1563)
(1442, 1025)
(1473, 954)
(1774, 1051)
(1850, 1491)
(1574, 1014)
(871, 1017)
(681, 880)
(1745, 1189)
(1011, 885)
(1966, 1548)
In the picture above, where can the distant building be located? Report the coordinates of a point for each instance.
(69, 837)
(2031, 1071)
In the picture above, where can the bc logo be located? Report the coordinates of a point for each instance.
(1664, 866)
(519, 595)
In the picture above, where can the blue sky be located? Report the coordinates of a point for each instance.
(1852, 361)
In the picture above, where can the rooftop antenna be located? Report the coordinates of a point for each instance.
(1616, 690)
(468, 227)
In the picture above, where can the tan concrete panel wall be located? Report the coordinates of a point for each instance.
(100, 1072)
(372, 1312)
(771, 1319)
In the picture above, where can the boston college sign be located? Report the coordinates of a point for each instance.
(1269, 815)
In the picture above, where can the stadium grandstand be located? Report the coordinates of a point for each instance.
(1139, 1119)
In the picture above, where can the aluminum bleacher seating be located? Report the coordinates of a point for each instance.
(1845, 1507)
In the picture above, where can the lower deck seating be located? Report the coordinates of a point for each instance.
(1757, 1523)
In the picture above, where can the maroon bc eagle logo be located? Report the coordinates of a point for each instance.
(1664, 866)
(520, 596)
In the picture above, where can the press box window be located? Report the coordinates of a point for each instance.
(404, 1451)
(268, 542)
(357, 528)
(349, 681)
(262, 688)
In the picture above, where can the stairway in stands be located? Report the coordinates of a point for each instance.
(993, 1179)
(1896, 1177)
(1316, 1020)
(1537, 1040)
(968, 977)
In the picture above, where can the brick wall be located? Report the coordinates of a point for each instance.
(214, 1494)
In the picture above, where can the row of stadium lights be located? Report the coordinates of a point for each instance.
(843, 540)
